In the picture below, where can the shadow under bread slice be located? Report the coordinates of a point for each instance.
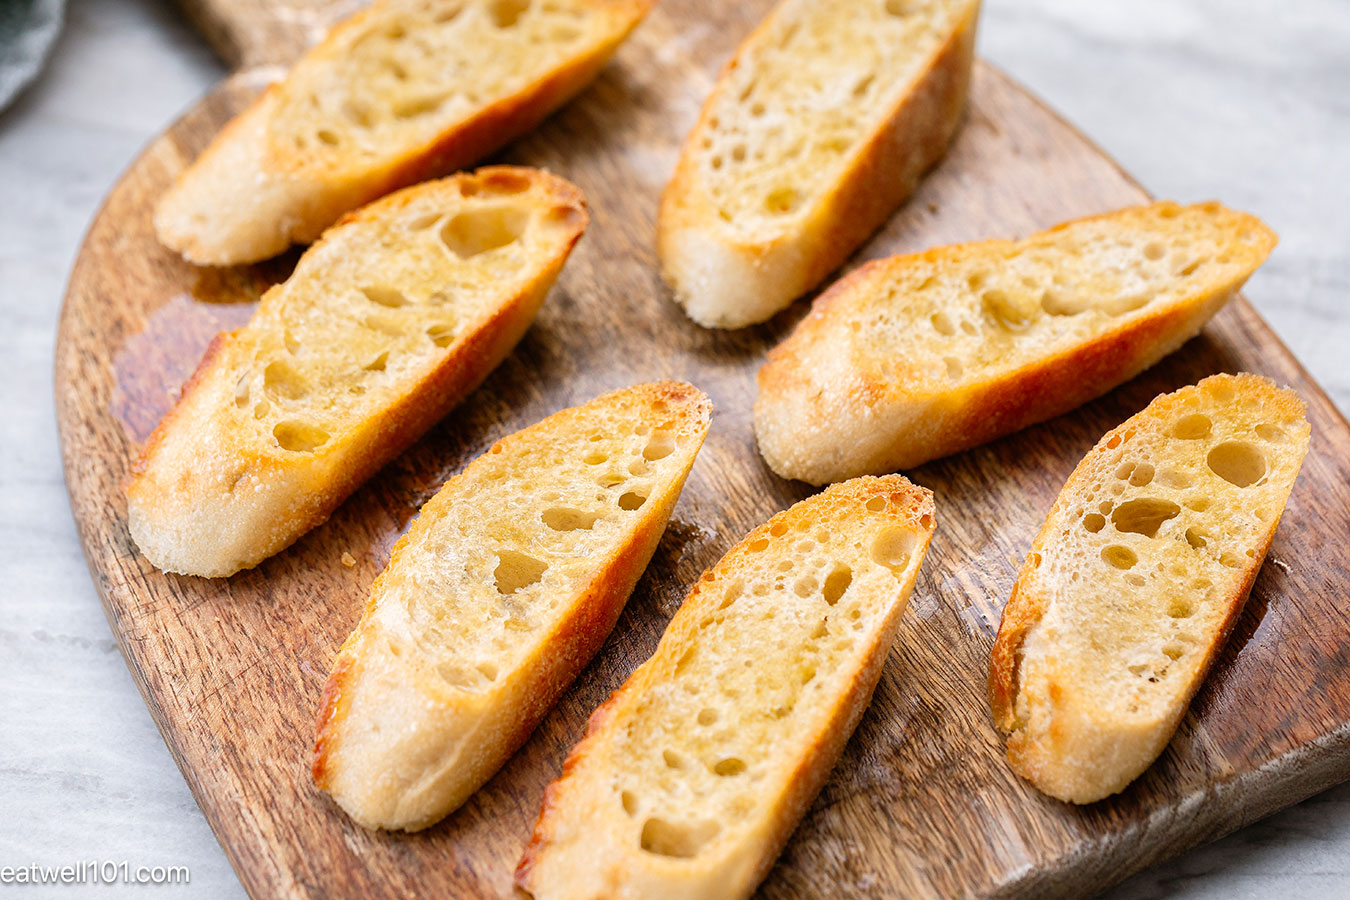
(1135, 581)
(506, 585)
(386, 323)
(915, 357)
(695, 772)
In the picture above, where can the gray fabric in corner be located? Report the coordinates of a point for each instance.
(28, 28)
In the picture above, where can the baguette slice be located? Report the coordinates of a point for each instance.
(817, 129)
(915, 357)
(403, 91)
(504, 588)
(386, 323)
(695, 772)
(1138, 576)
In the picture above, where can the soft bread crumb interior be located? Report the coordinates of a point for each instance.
(412, 69)
(824, 76)
(948, 318)
(781, 629)
(1153, 543)
(373, 309)
(491, 566)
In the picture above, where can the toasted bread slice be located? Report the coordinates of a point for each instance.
(695, 772)
(386, 323)
(915, 357)
(817, 129)
(504, 588)
(1138, 576)
(403, 91)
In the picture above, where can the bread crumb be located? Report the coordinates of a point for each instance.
(348, 560)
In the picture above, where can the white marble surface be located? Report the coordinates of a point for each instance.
(1209, 98)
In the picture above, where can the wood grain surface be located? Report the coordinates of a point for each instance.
(922, 803)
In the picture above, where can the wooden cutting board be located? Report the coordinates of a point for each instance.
(922, 804)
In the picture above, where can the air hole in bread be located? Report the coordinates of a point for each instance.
(506, 13)
(1197, 537)
(629, 801)
(1143, 516)
(672, 759)
(893, 547)
(805, 586)
(1154, 250)
(1119, 556)
(1173, 478)
(483, 229)
(488, 670)
(954, 367)
(678, 840)
(1094, 522)
(1004, 311)
(328, 136)
(1221, 390)
(516, 571)
(1273, 434)
(424, 221)
(1181, 607)
(566, 216)
(942, 324)
(442, 335)
(758, 546)
(837, 582)
(298, 436)
(281, 381)
(729, 767)
(1057, 303)
(261, 409)
(1237, 462)
(385, 324)
(1119, 306)
(377, 364)
(707, 716)
(661, 445)
(1174, 651)
(782, 200)
(1192, 427)
(732, 594)
(505, 183)
(385, 295)
(241, 391)
(358, 114)
(631, 500)
(595, 458)
(876, 504)
(565, 518)
(1142, 475)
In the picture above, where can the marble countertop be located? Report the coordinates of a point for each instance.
(1236, 99)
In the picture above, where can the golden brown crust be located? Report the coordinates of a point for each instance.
(612, 867)
(171, 509)
(347, 759)
(1082, 754)
(861, 417)
(725, 279)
